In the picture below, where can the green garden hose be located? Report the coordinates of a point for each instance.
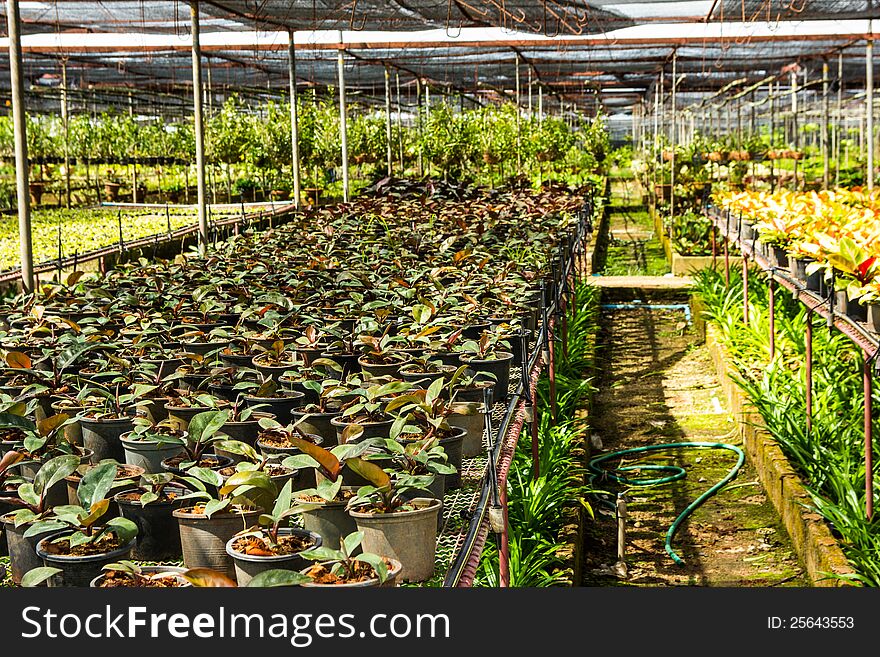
(676, 473)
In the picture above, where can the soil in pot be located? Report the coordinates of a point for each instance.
(407, 536)
(154, 577)
(203, 540)
(362, 575)
(83, 563)
(253, 554)
(158, 537)
(210, 461)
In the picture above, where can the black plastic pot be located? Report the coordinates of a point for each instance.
(348, 361)
(309, 396)
(475, 330)
(158, 537)
(22, 551)
(247, 431)
(855, 310)
(499, 367)
(102, 437)
(78, 571)
(280, 407)
(318, 423)
(283, 452)
(371, 429)
(389, 369)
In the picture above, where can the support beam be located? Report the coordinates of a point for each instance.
(518, 128)
(65, 126)
(838, 130)
(294, 119)
(343, 119)
(388, 132)
(19, 125)
(826, 148)
(673, 108)
(869, 111)
(199, 122)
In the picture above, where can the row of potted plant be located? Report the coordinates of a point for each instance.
(827, 240)
(316, 371)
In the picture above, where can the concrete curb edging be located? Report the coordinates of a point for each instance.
(816, 547)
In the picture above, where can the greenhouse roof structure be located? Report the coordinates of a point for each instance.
(583, 53)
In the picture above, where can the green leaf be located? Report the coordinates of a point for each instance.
(369, 471)
(37, 576)
(148, 497)
(206, 424)
(124, 529)
(277, 577)
(322, 553)
(213, 506)
(96, 483)
(285, 498)
(253, 478)
(378, 564)
(352, 542)
(15, 421)
(53, 471)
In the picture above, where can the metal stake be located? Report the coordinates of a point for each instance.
(745, 289)
(199, 127)
(388, 119)
(343, 128)
(808, 389)
(771, 288)
(869, 447)
(22, 165)
(294, 118)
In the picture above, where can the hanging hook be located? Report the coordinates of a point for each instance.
(544, 22)
(448, 20)
(351, 25)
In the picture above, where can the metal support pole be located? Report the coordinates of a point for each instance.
(504, 548)
(808, 384)
(19, 124)
(794, 124)
(540, 103)
(745, 289)
(65, 126)
(343, 126)
(673, 139)
(419, 124)
(388, 132)
(518, 128)
(869, 111)
(771, 288)
(869, 446)
(530, 93)
(772, 137)
(199, 127)
(399, 123)
(838, 130)
(826, 149)
(727, 253)
(294, 118)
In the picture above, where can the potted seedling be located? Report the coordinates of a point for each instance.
(193, 446)
(423, 416)
(189, 404)
(102, 426)
(150, 507)
(317, 417)
(349, 566)
(207, 526)
(274, 439)
(275, 360)
(80, 545)
(149, 444)
(326, 516)
(379, 358)
(247, 458)
(271, 397)
(363, 413)
(395, 526)
(31, 501)
(272, 546)
(425, 370)
(486, 357)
